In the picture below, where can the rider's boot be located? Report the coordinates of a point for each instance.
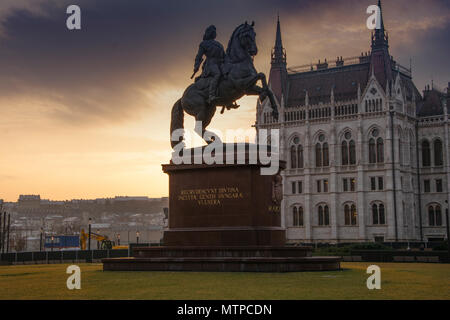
(212, 89)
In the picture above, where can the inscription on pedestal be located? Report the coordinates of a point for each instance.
(211, 196)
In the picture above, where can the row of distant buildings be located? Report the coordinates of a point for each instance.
(124, 218)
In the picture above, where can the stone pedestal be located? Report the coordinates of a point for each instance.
(222, 205)
(224, 217)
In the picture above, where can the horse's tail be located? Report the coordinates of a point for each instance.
(177, 122)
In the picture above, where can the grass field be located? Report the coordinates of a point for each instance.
(398, 281)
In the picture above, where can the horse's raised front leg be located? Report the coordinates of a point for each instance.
(266, 92)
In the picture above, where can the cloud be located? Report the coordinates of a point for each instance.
(127, 49)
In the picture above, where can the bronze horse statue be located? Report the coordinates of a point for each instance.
(239, 78)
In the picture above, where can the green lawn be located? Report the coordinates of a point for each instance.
(398, 281)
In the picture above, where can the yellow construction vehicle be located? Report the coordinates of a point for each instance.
(105, 243)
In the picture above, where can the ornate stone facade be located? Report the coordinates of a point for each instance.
(368, 156)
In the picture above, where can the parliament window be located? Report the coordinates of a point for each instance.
(438, 185)
(321, 152)
(293, 187)
(300, 187)
(322, 185)
(297, 216)
(380, 183)
(373, 183)
(376, 148)
(378, 214)
(349, 184)
(296, 152)
(348, 150)
(352, 184)
(434, 215)
(438, 156)
(323, 215)
(350, 215)
(426, 186)
(426, 155)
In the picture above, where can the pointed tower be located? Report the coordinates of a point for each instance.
(278, 70)
(380, 58)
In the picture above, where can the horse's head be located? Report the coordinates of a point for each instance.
(242, 43)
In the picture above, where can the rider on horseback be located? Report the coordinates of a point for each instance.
(215, 55)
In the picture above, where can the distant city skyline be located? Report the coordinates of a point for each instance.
(85, 114)
(116, 198)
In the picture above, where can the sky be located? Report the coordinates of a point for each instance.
(86, 113)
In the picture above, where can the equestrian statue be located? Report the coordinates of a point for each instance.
(225, 78)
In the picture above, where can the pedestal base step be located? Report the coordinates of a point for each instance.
(218, 252)
(224, 264)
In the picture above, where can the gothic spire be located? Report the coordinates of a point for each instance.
(278, 72)
(278, 52)
(381, 17)
(381, 61)
(380, 38)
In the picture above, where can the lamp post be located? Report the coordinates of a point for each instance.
(137, 237)
(53, 238)
(40, 240)
(98, 242)
(448, 230)
(118, 239)
(89, 242)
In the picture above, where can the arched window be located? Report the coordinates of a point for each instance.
(438, 156)
(318, 155)
(326, 160)
(378, 214)
(372, 152)
(376, 147)
(412, 149)
(300, 156)
(434, 215)
(296, 151)
(344, 151)
(293, 157)
(348, 151)
(426, 156)
(380, 150)
(320, 212)
(352, 152)
(323, 215)
(353, 215)
(321, 151)
(300, 216)
(295, 216)
(326, 212)
(347, 214)
(350, 215)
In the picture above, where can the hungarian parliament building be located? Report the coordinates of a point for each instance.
(367, 155)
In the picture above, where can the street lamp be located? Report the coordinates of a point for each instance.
(98, 242)
(40, 239)
(448, 231)
(118, 239)
(53, 238)
(89, 242)
(137, 236)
